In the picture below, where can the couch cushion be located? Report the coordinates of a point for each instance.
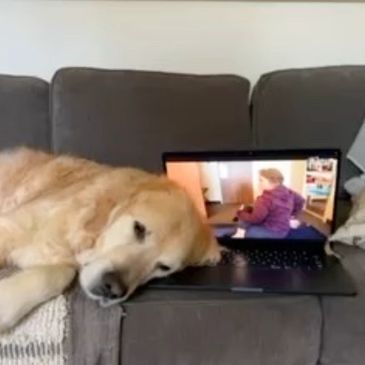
(254, 331)
(24, 112)
(310, 108)
(130, 117)
(344, 317)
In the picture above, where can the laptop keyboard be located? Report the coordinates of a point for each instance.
(272, 259)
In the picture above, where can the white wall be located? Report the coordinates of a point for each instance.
(209, 176)
(37, 37)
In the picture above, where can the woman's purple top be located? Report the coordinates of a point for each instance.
(274, 208)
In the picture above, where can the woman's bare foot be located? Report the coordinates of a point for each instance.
(240, 233)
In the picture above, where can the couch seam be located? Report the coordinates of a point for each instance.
(121, 328)
(321, 330)
(257, 91)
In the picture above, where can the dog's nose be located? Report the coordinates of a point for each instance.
(110, 287)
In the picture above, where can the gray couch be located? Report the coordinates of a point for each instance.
(129, 118)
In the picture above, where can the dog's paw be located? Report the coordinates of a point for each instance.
(6, 321)
(4, 326)
(10, 307)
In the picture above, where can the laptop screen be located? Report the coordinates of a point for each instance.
(256, 196)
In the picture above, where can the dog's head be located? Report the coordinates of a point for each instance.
(154, 233)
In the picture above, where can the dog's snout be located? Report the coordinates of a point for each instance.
(110, 287)
(113, 287)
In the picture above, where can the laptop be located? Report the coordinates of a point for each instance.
(272, 211)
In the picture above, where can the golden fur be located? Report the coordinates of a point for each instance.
(60, 215)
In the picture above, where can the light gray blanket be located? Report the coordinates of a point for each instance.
(356, 153)
(39, 339)
(352, 232)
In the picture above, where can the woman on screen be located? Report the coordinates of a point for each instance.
(272, 211)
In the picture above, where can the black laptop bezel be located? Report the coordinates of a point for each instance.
(272, 154)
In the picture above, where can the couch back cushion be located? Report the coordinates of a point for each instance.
(24, 112)
(131, 117)
(310, 108)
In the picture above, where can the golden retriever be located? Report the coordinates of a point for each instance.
(117, 227)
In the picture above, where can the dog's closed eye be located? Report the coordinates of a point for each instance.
(163, 267)
(139, 230)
